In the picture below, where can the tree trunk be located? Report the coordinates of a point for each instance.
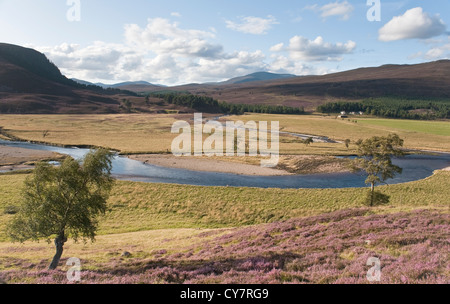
(59, 243)
(372, 189)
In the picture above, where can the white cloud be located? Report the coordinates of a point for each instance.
(435, 53)
(283, 64)
(301, 48)
(175, 14)
(252, 25)
(333, 9)
(441, 52)
(277, 48)
(161, 52)
(341, 9)
(162, 36)
(97, 61)
(166, 53)
(230, 65)
(413, 24)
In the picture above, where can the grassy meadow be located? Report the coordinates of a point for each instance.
(123, 132)
(150, 133)
(417, 134)
(135, 206)
(414, 126)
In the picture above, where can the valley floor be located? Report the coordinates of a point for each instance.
(166, 233)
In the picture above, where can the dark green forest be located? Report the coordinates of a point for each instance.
(210, 105)
(393, 108)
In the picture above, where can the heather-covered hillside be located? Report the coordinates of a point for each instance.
(412, 247)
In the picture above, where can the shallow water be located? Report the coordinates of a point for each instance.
(415, 167)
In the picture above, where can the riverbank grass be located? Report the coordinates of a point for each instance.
(137, 206)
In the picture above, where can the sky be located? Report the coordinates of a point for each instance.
(175, 42)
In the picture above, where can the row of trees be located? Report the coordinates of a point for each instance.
(101, 90)
(211, 105)
(393, 108)
(200, 103)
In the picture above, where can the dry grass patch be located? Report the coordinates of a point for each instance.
(417, 134)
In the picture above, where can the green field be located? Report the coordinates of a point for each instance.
(415, 126)
(417, 134)
(140, 206)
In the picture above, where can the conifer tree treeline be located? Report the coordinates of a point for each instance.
(392, 108)
(211, 105)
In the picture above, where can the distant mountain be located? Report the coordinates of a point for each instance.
(145, 87)
(84, 82)
(133, 86)
(116, 85)
(30, 83)
(426, 80)
(129, 83)
(259, 76)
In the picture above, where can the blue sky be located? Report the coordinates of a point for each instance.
(178, 41)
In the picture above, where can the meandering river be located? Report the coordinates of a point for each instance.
(415, 167)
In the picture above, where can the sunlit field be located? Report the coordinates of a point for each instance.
(428, 135)
(132, 132)
(150, 133)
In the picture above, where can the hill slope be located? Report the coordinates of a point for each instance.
(427, 80)
(144, 86)
(30, 83)
(131, 86)
(259, 76)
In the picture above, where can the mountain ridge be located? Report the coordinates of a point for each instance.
(142, 84)
(429, 80)
(30, 83)
(258, 76)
